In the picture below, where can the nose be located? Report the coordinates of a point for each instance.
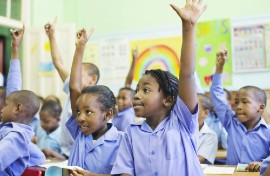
(80, 118)
(238, 107)
(136, 96)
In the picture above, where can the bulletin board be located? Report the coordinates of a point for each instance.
(212, 36)
(251, 45)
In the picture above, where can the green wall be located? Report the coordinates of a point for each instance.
(109, 16)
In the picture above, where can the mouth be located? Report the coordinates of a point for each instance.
(83, 128)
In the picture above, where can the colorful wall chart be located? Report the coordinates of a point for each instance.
(213, 36)
(161, 53)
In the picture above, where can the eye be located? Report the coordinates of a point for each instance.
(236, 102)
(88, 112)
(77, 112)
(136, 90)
(146, 90)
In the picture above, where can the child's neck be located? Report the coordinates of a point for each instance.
(251, 124)
(154, 122)
(100, 132)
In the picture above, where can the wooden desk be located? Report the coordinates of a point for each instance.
(221, 154)
(235, 173)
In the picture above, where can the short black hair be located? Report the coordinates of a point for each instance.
(29, 100)
(104, 96)
(92, 70)
(53, 107)
(259, 94)
(128, 89)
(228, 94)
(52, 98)
(206, 102)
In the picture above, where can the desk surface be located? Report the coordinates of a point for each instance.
(235, 173)
(221, 154)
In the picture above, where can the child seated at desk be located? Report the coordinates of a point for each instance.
(208, 142)
(248, 133)
(49, 136)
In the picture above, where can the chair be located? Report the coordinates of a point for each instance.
(32, 171)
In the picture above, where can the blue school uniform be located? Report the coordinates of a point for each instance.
(243, 146)
(214, 123)
(97, 156)
(17, 150)
(124, 118)
(168, 150)
(49, 141)
(207, 144)
(66, 139)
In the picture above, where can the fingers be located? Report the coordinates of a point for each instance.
(175, 8)
(90, 33)
(253, 167)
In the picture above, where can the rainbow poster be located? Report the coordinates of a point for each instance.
(161, 53)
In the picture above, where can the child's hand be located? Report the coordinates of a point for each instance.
(191, 12)
(17, 35)
(135, 53)
(221, 57)
(50, 27)
(78, 172)
(47, 152)
(82, 37)
(254, 167)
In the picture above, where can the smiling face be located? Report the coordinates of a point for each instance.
(90, 117)
(248, 108)
(149, 101)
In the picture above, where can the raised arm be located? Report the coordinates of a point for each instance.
(189, 16)
(56, 55)
(76, 69)
(14, 79)
(130, 75)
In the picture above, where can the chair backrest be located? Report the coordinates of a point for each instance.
(32, 171)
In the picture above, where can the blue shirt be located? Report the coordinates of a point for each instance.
(66, 139)
(124, 118)
(96, 156)
(168, 150)
(17, 150)
(49, 140)
(243, 146)
(215, 124)
(208, 144)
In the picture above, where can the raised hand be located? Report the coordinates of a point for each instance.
(82, 37)
(221, 57)
(135, 53)
(17, 35)
(191, 12)
(50, 27)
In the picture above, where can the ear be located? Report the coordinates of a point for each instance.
(18, 109)
(169, 101)
(93, 80)
(261, 108)
(108, 115)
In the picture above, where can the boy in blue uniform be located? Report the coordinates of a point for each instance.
(17, 150)
(248, 133)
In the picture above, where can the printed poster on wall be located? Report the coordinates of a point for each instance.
(212, 36)
(160, 53)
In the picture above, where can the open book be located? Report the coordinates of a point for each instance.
(58, 168)
(241, 167)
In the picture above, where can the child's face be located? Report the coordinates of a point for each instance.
(47, 121)
(148, 101)
(7, 113)
(248, 109)
(202, 114)
(124, 100)
(89, 116)
(87, 80)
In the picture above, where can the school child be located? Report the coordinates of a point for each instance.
(17, 150)
(49, 137)
(126, 114)
(96, 141)
(166, 143)
(248, 133)
(90, 76)
(208, 142)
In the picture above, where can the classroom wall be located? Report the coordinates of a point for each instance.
(120, 16)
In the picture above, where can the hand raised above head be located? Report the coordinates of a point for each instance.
(17, 35)
(221, 57)
(135, 53)
(82, 36)
(191, 12)
(50, 27)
